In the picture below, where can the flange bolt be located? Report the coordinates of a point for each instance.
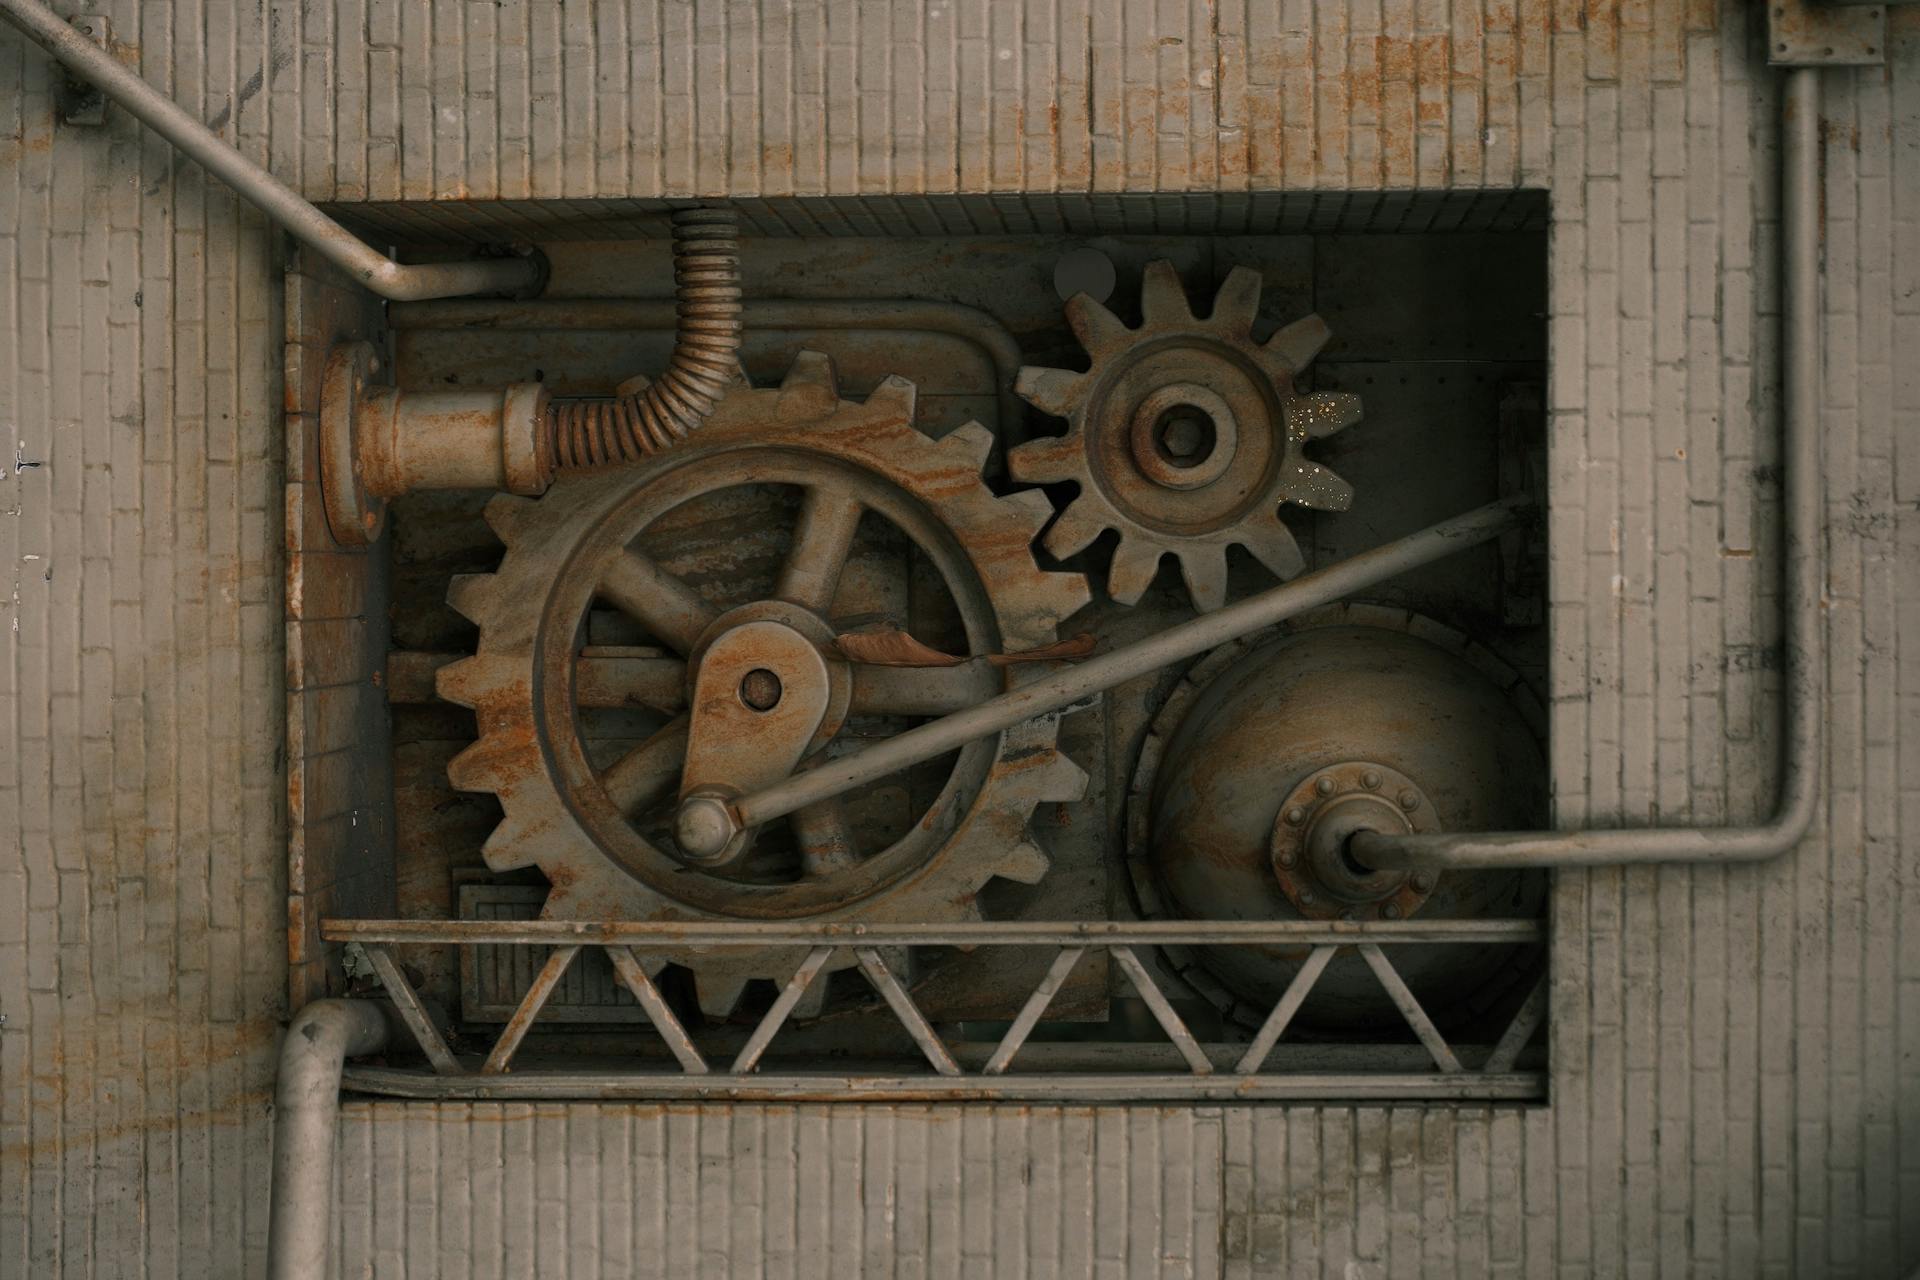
(1324, 786)
(1409, 799)
(1370, 779)
(1296, 816)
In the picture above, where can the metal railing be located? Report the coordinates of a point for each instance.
(1216, 1072)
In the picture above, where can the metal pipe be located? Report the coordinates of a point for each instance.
(319, 1041)
(879, 315)
(707, 821)
(645, 934)
(271, 196)
(1804, 571)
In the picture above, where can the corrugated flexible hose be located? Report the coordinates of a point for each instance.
(706, 279)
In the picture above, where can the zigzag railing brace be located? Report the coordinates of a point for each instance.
(1410, 1009)
(1029, 1016)
(1170, 1021)
(1526, 1021)
(1290, 1001)
(776, 1017)
(634, 977)
(406, 1001)
(906, 1011)
(522, 1021)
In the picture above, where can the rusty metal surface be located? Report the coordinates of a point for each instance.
(1826, 33)
(1244, 741)
(1186, 436)
(636, 949)
(575, 818)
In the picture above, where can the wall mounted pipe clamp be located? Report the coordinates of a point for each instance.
(379, 442)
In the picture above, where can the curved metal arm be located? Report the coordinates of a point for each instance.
(271, 196)
(1798, 803)
(306, 1107)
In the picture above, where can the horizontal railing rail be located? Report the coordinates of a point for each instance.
(1211, 1071)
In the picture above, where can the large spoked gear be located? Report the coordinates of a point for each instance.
(1186, 436)
(594, 826)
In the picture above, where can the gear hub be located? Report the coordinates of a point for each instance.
(743, 657)
(1186, 436)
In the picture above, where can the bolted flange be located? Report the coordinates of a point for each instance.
(1322, 813)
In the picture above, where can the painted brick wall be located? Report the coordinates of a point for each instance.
(1736, 1053)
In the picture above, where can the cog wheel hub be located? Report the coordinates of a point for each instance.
(740, 666)
(1186, 436)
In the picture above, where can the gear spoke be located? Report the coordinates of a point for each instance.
(825, 837)
(673, 612)
(922, 691)
(647, 773)
(822, 540)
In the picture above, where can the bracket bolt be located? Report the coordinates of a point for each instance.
(1391, 911)
(1409, 799)
(1306, 897)
(1370, 779)
(1423, 880)
(1324, 786)
(1296, 816)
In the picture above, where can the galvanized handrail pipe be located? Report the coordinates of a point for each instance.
(708, 822)
(361, 261)
(1804, 574)
(306, 1109)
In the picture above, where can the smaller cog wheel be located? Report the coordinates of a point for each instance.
(1185, 436)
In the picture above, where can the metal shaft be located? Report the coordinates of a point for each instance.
(367, 265)
(1799, 795)
(1103, 672)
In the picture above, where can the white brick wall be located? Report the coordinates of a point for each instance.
(1736, 1053)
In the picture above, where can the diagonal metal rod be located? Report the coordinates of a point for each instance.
(360, 260)
(1094, 675)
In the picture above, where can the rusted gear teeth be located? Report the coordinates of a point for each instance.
(1185, 436)
(563, 821)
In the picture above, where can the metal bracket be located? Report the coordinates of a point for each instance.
(80, 102)
(1806, 33)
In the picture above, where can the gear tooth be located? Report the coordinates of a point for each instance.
(1324, 412)
(812, 369)
(462, 682)
(476, 769)
(504, 513)
(719, 992)
(810, 391)
(1132, 570)
(972, 442)
(1028, 508)
(1077, 527)
(1273, 545)
(1237, 304)
(1063, 781)
(1054, 391)
(1046, 460)
(1025, 862)
(1204, 569)
(471, 596)
(1068, 594)
(1097, 328)
(1163, 299)
(1312, 485)
(1300, 342)
(506, 849)
(899, 398)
